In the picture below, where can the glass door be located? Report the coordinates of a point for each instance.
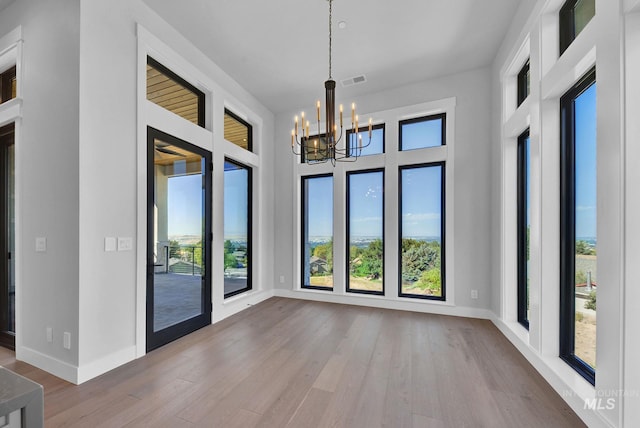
(7, 238)
(179, 238)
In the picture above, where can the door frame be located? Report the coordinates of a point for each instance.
(159, 338)
(7, 338)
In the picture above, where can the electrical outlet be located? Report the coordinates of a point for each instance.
(474, 294)
(281, 279)
(66, 340)
(41, 244)
(125, 244)
(49, 334)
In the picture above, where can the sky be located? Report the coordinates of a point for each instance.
(586, 195)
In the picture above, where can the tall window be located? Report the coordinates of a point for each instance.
(365, 231)
(317, 232)
(524, 83)
(238, 131)
(423, 132)
(578, 233)
(574, 16)
(173, 93)
(237, 228)
(8, 85)
(422, 231)
(524, 225)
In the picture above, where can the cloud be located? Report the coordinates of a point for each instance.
(420, 217)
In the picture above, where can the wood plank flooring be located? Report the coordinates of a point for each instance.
(294, 363)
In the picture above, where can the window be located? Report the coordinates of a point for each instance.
(578, 233)
(8, 85)
(523, 83)
(237, 131)
(422, 231)
(423, 132)
(365, 231)
(524, 225)
(574, 16)
(317, 232)
(237, 228)
(314, 149)
(173, 93)
(375, 147)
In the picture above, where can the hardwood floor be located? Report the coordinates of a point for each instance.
(293, 363)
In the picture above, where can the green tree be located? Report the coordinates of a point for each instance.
(581, 277)
(325, 252)
(229, 258)
(591, 303)
(431, 280)
(370, 265)
(418, 257)
(583, 248)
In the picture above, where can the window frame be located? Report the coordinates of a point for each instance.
(303, 222)
(567, 25)
(523, 180)
(249, 169)
(427, 118)
(6, 79)
(172, 75)
(443, 219)
(245, 123)
(348, 175)
(567, 227)
(366, 129)
(523, 82)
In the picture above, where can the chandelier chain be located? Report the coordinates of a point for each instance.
(330, 34)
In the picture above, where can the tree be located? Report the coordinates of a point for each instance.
(581, 277)
(418, 257)
(431, 280)
(370, 265)
(583, 248)
(591, 303)
(325, 252)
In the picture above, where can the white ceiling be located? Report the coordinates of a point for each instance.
(5, 3)
(278, 49)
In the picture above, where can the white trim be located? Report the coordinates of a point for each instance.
(47, 363)
(563, 379)
(104, 364)
(412, 305)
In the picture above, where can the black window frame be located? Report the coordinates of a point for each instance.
(249, 169)
(522, 235)
(443, 211)
(348, 231)
(567, 227)
(245, 123)
(366, 130)
(443, 136)
(6, 80)
(170, 74)
(303, 217)
(567, 25)
(7, 335)
(523, 83)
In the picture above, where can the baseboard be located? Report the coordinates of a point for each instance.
(58, 368)
(105, 364)
(402, 305)
(239, 303)
(551, 370)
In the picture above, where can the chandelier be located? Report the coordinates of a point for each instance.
(327, 147)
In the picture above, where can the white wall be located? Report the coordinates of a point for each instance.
(47, 180)
(600, 44)
(472, 171)
(80, 167)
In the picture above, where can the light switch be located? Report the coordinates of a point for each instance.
(109, 244)
(41, 245)
(125, 244)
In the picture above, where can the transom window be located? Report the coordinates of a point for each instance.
(423, 132)
(523, 83)
(238, 131)
(8, 85)
(574, 16)
(170, 91)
